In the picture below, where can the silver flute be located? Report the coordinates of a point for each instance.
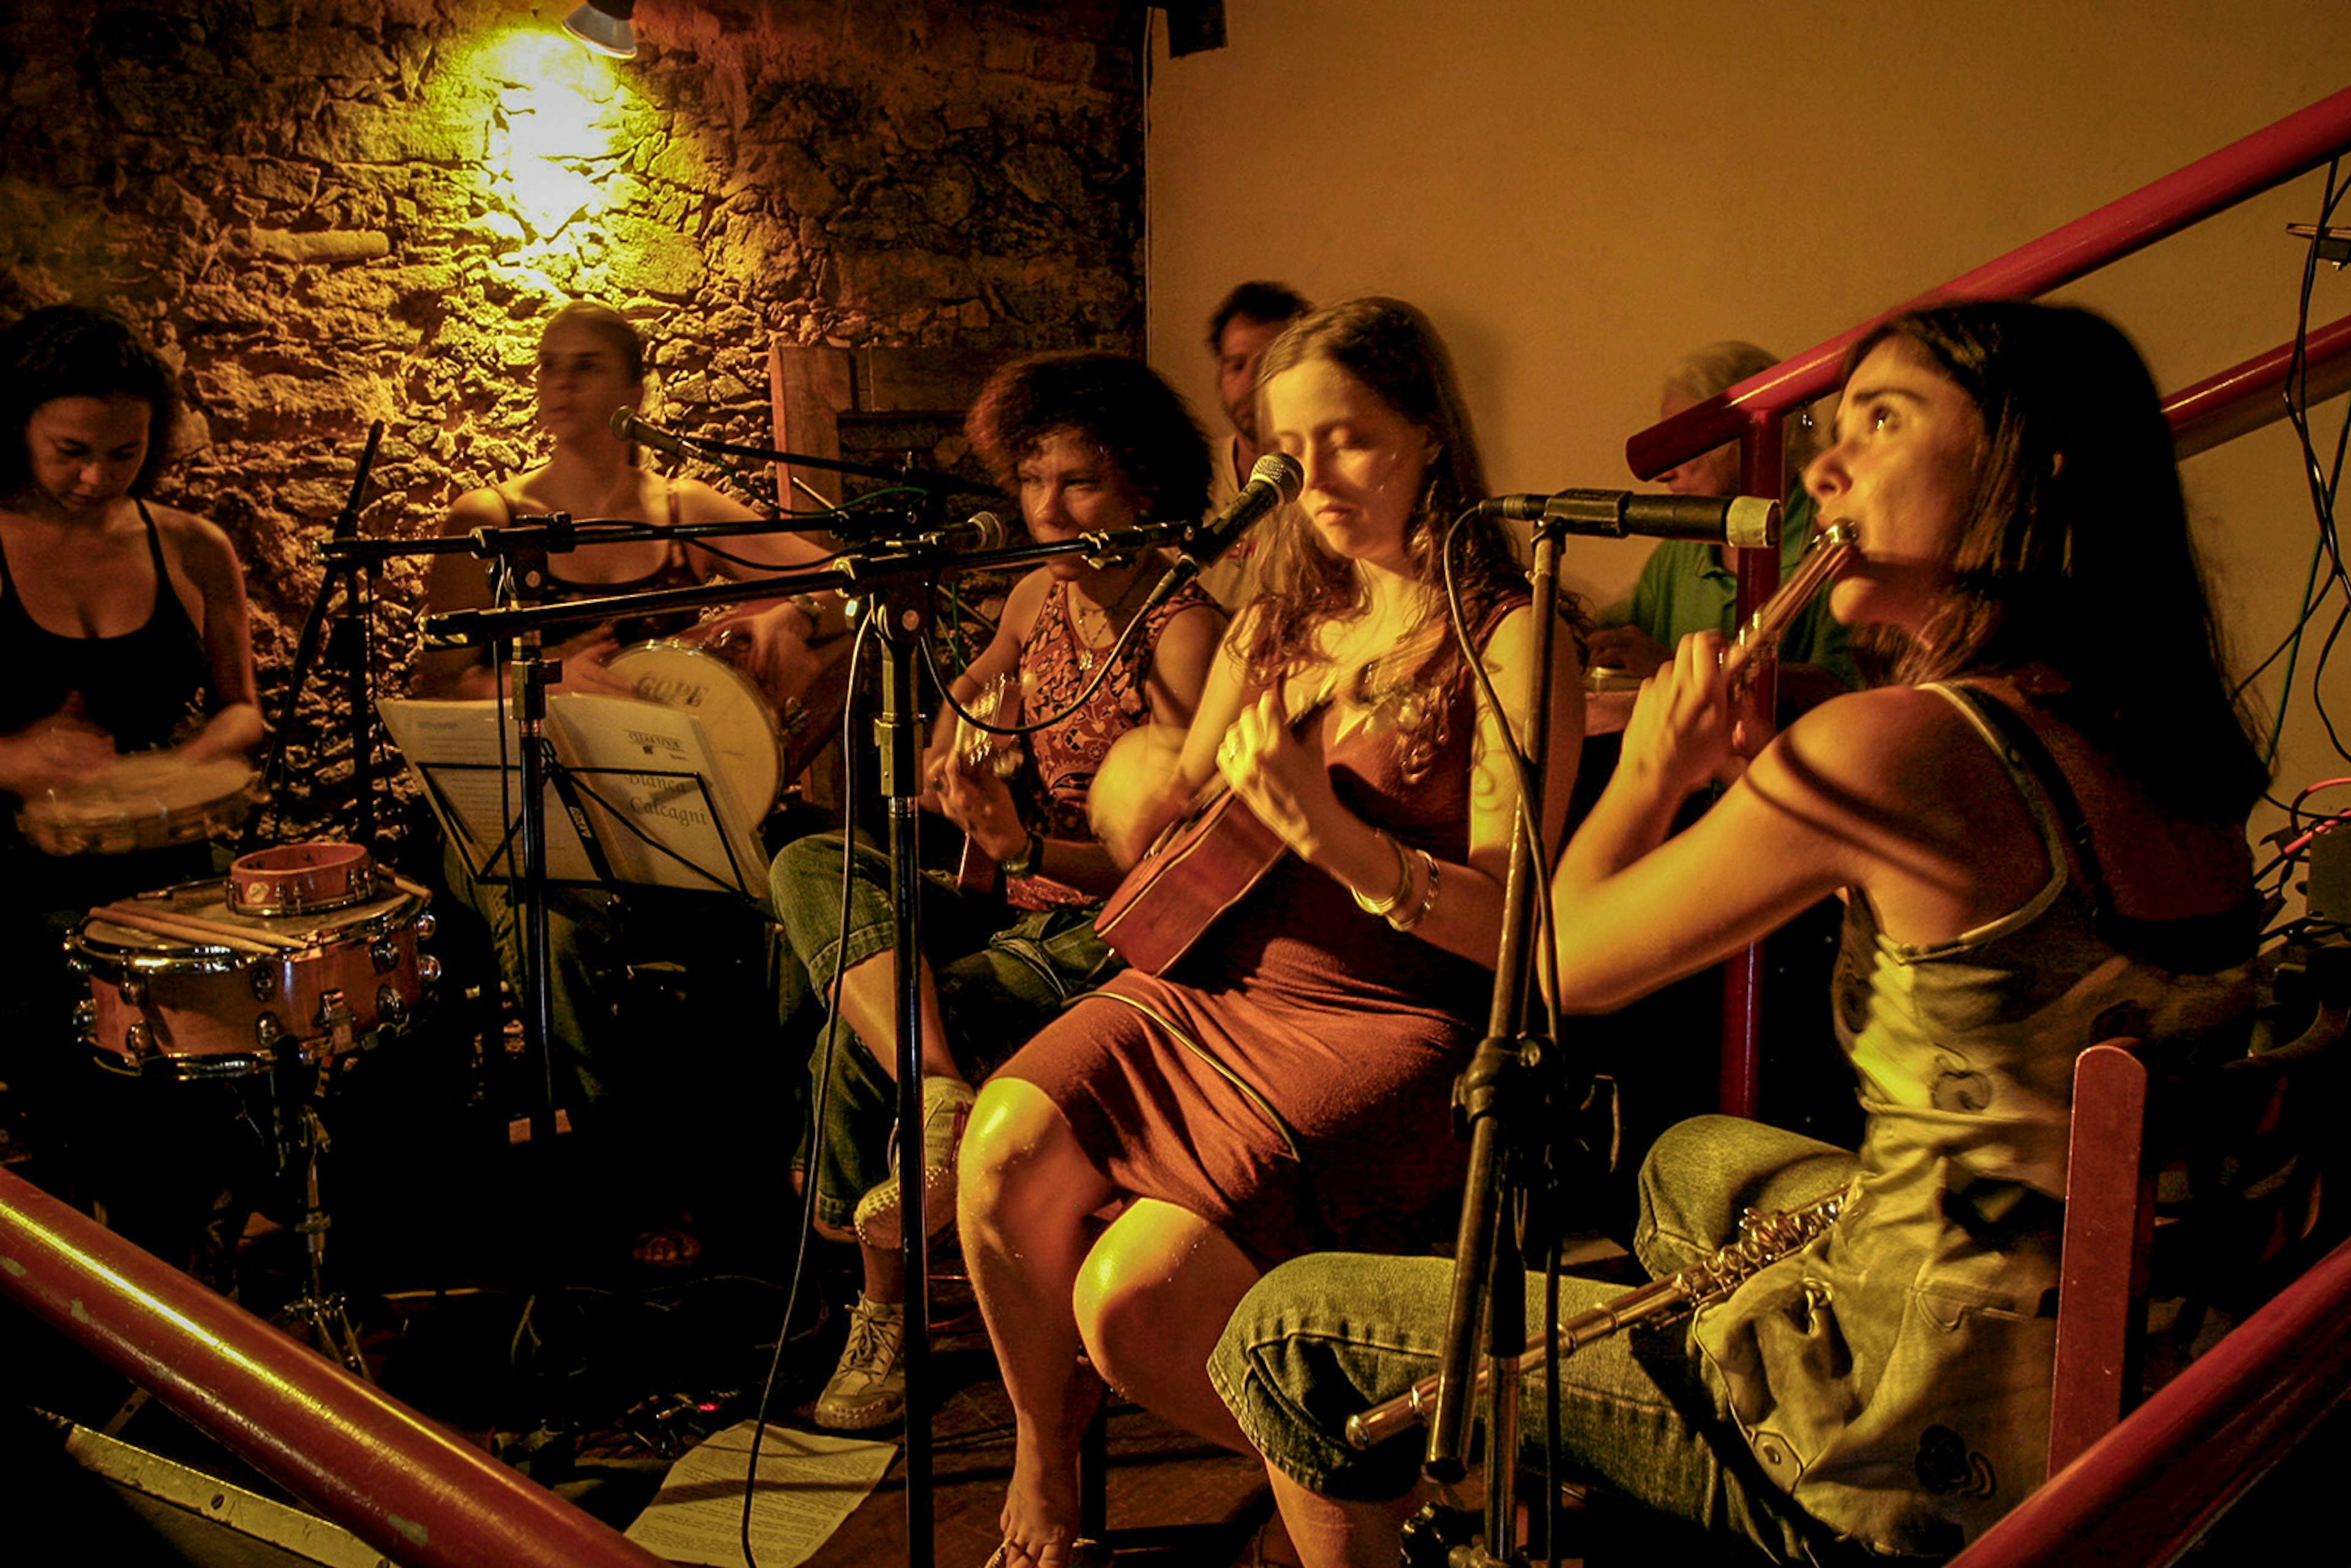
(1763, 1239)
(1831, 549)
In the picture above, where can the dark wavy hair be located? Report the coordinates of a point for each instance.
(76, 350)
(2075, 551)
(1109, 401)
(1390, 348)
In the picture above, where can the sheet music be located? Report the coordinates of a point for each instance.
(648, 788)
(809, 1483)
(453, 748)
(622, 748)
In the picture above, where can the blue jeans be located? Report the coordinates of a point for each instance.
(1001, 973)
(1324, 1337)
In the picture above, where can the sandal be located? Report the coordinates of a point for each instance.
(666, 1247)
(1085, 1552)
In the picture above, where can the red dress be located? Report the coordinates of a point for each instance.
(1288, 1080)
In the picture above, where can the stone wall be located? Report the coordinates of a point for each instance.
(327, 212)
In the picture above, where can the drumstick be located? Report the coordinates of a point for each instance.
(189, 928)
(402, 882)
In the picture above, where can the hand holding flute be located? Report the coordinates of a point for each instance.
(1682, 727)
(1831, 549)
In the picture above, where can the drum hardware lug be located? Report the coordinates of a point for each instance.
(425, 926)
(264, 981)
(268, 1031)
(133, 988)
(138, 1041)
(341, 1027)
(384, 954)
(85, 1015)
(391, 1010)
(428, 969)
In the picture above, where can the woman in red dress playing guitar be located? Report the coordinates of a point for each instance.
(1286, 1081)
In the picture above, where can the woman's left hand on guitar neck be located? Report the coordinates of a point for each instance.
(1283, 780)
(1278, 777)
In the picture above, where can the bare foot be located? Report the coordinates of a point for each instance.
(1040, 1519)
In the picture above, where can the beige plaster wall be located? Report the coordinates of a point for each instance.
(1578, 193)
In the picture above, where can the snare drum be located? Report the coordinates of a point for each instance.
(735, 716)
(190, 982)
(147, 800)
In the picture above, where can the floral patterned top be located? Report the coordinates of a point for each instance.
(1055, 667)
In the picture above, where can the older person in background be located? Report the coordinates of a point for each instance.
(1688, 586)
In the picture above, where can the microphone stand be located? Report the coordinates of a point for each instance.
(900, 575)
(523, 547)
(348, 582)
(1508, 1096)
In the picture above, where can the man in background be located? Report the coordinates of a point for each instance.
(1243, 324)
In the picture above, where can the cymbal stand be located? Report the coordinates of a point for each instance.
(298, 1097)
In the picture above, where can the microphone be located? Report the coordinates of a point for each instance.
(1275, 481)
(630, 425)
(1744, 522)
(980, 531)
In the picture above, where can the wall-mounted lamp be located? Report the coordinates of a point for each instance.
(604, 26)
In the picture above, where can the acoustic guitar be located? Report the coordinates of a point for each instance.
(978, 751)
(1201, 864)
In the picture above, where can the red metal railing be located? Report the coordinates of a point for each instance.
(405, 1486)
(2245, 397)
(1752, 412)
(2149, 1488)
(2245, 168)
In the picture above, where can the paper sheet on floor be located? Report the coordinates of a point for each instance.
(807, 1484)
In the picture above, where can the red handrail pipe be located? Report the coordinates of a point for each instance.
(2246, 167)
(405, 1486)
(2245, 397)
(2147, 1491)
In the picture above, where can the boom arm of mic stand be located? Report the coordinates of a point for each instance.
(922, 479)
(505, 540)
(852, 572)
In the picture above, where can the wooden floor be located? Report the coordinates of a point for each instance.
(501, 1299)
(1174, 1501)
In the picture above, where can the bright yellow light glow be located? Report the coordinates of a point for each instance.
(556, 133)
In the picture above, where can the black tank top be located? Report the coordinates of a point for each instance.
(140, 686)
(673, 572)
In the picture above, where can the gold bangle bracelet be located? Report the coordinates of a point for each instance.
(1427, 897)
(1387, 906)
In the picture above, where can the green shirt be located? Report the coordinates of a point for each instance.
(1686, 588)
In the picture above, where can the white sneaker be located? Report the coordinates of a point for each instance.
(947, 1107)
(869, 1385)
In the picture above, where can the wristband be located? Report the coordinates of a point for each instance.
(1025, 863)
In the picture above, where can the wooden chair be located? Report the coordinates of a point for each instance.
(2245, 1212)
